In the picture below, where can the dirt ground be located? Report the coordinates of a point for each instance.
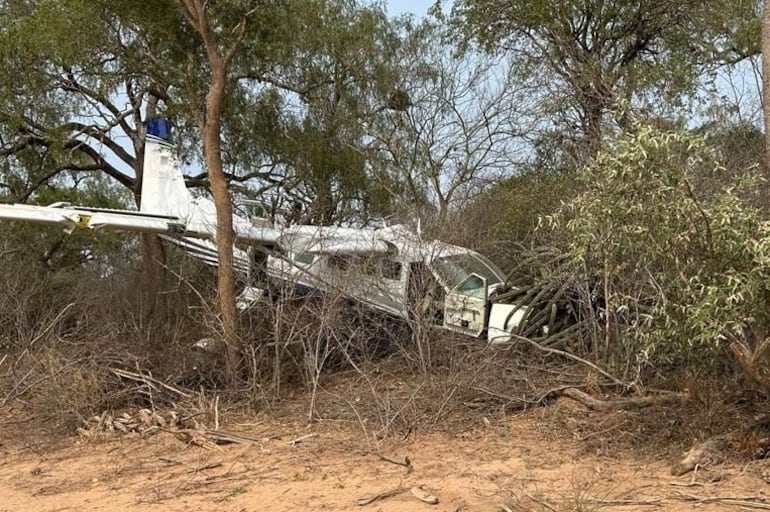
(515, 464)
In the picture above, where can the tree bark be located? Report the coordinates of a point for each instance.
(225, 235)
(211, 129)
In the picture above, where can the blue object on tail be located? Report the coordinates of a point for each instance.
(160, 128)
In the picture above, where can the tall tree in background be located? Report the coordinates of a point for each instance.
(766, 80)
(72, 93)
(463, 126)
(220, 52)
(593, 54)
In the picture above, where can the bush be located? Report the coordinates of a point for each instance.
(680, 259)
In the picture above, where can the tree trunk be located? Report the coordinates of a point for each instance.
(153, 255)
(195, 12)
(225, 235)
(766, 82)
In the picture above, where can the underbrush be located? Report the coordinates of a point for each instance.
(66, 356)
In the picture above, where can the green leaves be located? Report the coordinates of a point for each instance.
(592, 55)
(655, 225)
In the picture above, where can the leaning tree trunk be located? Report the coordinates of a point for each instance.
(212, 144)
(195, 12)
(766, 82)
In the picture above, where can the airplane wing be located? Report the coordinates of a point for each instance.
(39, 215)
(71, 218)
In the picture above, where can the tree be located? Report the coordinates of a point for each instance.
(338, 83)
(463, 125)
(590, 55)
(272, 112)
(766, 80)
(220, 51)
(71, 95)
(678, 254)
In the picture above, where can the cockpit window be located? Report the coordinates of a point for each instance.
(455, 270)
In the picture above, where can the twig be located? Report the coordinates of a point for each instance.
(216, 412)
(204, 468)
(625, 503)
(407, 463)
(542, 502)
(755, 502)
(149, 381)
(295, 442)
(381, 496)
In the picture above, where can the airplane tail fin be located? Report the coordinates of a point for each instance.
(163, 188)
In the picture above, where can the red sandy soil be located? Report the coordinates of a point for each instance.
(515, 465)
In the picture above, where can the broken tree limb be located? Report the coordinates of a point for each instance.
(622, 403)
(563, 353)
(712, 450)
(407, 463)
(381, 496)
(302, 439)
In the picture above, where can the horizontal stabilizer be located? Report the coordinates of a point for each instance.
(71, 218)
(40, 215)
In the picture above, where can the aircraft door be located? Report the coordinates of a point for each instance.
(384, 283)
(465, 308)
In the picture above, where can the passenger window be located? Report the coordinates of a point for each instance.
(391, 269)
(340, 262)
(473, 286)
(306, 258)
(371, 267)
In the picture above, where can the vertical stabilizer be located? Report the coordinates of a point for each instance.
(163, 188)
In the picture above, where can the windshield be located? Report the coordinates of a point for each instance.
(454, 270)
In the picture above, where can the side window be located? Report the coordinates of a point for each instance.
(391, 269)
(306, 258)
(340, 262)
(371, 267)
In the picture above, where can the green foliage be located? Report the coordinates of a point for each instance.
(682, 259)
(590, 55)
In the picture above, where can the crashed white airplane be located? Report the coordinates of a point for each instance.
(390, 269)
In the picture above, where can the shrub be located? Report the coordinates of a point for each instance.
(679, 259)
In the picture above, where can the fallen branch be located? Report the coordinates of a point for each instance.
(711, 451)
(625, 503)
(406, 463)
(423, 495)
(622, 403)
(222, 437)
(301, 439)
(381, 496)
(755, 502)
(192, 436)
(580, 360)
(150, 381)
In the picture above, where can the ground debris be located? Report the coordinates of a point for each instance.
(380, 496)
